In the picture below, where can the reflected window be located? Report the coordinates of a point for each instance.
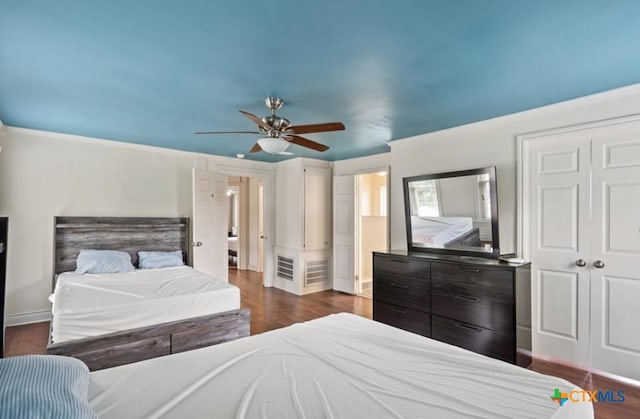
(424, 197)
(484, 201)
(383, 201)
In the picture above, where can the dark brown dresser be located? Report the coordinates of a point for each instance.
(465, 301)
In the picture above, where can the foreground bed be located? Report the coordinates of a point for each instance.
(336, 366)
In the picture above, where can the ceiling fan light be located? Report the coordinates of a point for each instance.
(273, 145)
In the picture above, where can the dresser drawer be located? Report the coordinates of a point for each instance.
(489, 314)
(486, 284)
(402, 291)
(402, 318)
(400, 265)
(484, 341)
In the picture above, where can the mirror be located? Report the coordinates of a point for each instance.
(453, 212)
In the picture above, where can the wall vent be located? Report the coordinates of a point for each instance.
(285, 268)
(316, 272)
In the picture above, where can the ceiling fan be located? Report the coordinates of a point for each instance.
(278, 133)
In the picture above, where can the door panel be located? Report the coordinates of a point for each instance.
(210, 214)
(558, 203)
(344, 234)
(620, 218)
(317, 208)
(616, 243)
(558, 175)
(558, 289)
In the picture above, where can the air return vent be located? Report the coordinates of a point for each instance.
(316, 272)
(285, 268)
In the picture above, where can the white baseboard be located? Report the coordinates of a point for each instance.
(26, 318)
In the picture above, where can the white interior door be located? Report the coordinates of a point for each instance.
(317, 208)
(344, 234)
(557, 181)
(210, 218)
(261, 236)
(615, 280)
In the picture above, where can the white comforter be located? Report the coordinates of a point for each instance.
(340, 366)
(94, 304)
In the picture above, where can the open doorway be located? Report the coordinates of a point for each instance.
(246, 223)
(371, 226)
(233, 192)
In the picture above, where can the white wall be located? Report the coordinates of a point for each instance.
(493, 143)
(43, 175)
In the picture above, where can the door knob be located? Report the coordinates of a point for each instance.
(598, 264)
(263, 237)
(197, 244)
(581, 263)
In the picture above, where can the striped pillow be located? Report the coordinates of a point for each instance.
(44, 386)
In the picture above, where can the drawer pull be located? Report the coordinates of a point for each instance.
(397, 310)
(476, 270)
(462, 297)
(466, 326)
(404, 287)
(400, 260)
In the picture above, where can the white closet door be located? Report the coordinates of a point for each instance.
(317, 208)
(344, 234)
(616, 243)
(210, 217)
(557, 169)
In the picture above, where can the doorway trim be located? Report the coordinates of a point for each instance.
(357, 263)
(268, 179)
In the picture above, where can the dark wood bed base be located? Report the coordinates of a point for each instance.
(134, 234)
(133, 345)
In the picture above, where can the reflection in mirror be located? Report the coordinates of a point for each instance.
(453, 212)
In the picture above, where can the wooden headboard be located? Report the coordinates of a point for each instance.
(128, 234)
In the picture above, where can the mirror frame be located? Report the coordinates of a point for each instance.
(493, 190)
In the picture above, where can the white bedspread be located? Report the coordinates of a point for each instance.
(439, 230)
(95, 304)
(340, 366)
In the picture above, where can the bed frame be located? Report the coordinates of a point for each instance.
(133, 234)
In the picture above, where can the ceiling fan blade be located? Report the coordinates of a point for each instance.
(326, 127)
(305, 142)
(256, 147)
(256, 120)
(227, 132)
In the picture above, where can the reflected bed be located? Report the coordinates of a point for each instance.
(444, 231)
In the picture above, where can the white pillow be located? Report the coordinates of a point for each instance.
(154, 260)
(103, 262)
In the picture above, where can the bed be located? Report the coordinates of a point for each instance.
(445, 231)
(336, 366)
(110, 319)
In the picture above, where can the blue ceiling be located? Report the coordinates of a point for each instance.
(153, 72)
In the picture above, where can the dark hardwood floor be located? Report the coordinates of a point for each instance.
(272, 309)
